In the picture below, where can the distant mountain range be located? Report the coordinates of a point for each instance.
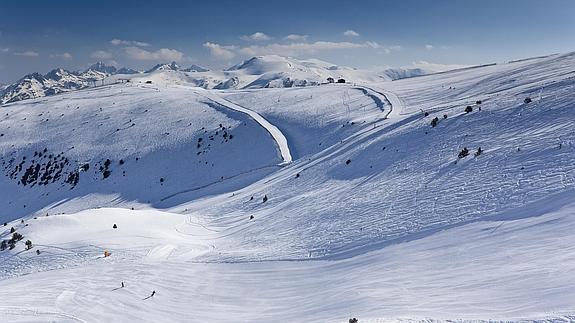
(57, 81)
(270, 71)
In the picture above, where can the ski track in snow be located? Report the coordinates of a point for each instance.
(276, 134)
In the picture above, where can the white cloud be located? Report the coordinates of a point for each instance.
(258, 36)
(291, 49)
(350, 33)
(295, 49)
(390, 49)
(62, 56)
(428, 46)
(219, 51)
(117, 42)
(28, 53)
(435, 67)
(4, 49)
(296, 37)
(162, 54)
(101, 54)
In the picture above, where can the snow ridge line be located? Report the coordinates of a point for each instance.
(276, 134)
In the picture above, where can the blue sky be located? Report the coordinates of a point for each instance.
(40, 35)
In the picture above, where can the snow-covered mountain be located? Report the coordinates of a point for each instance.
(270, 71)
(56, 81)
(173, 66)
(195, 68)
(442, 197)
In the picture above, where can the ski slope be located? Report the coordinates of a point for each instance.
(278, 136)
(374, 217)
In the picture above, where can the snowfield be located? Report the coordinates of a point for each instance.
(315, 204)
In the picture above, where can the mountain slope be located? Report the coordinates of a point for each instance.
(381, 215)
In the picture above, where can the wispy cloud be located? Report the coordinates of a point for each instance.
(4, 49)
(28, 53)
(289, 49)
(220, 52)
(435, 66)
(62, 56)
(295, 49)
(390, 49)
(350, 33)
(296, 37)
(162, 54)
(429, 46)
(101, 54)
(257, 36)
(118, 42)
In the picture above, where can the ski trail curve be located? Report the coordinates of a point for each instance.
(276, 134)
(395, 103)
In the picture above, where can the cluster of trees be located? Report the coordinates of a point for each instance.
(11, 243)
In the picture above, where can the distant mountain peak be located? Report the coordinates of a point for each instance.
(173, 66)
(102, 67)
(195, 68)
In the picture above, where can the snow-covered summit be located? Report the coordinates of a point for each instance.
(195, 68)
(103, 68)
(173, 66)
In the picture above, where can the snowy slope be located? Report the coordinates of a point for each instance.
(375, 217)
(138, 129)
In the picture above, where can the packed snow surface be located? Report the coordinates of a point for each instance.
(314, 204)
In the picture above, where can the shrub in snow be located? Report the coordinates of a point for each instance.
(341, 81)
(463, 153)
(468, 109)
(3, 245)
(527, 100)
(445, 116)
(478, 102)
(12, 230)
(434, 122)
(17, 236)
(347, 162)
(353, 320)
(11, 244)
(37, 251)
(114, 226)
(28, 244)
(426, 113)
(265, 199)
(330, 80)
(478, 152)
